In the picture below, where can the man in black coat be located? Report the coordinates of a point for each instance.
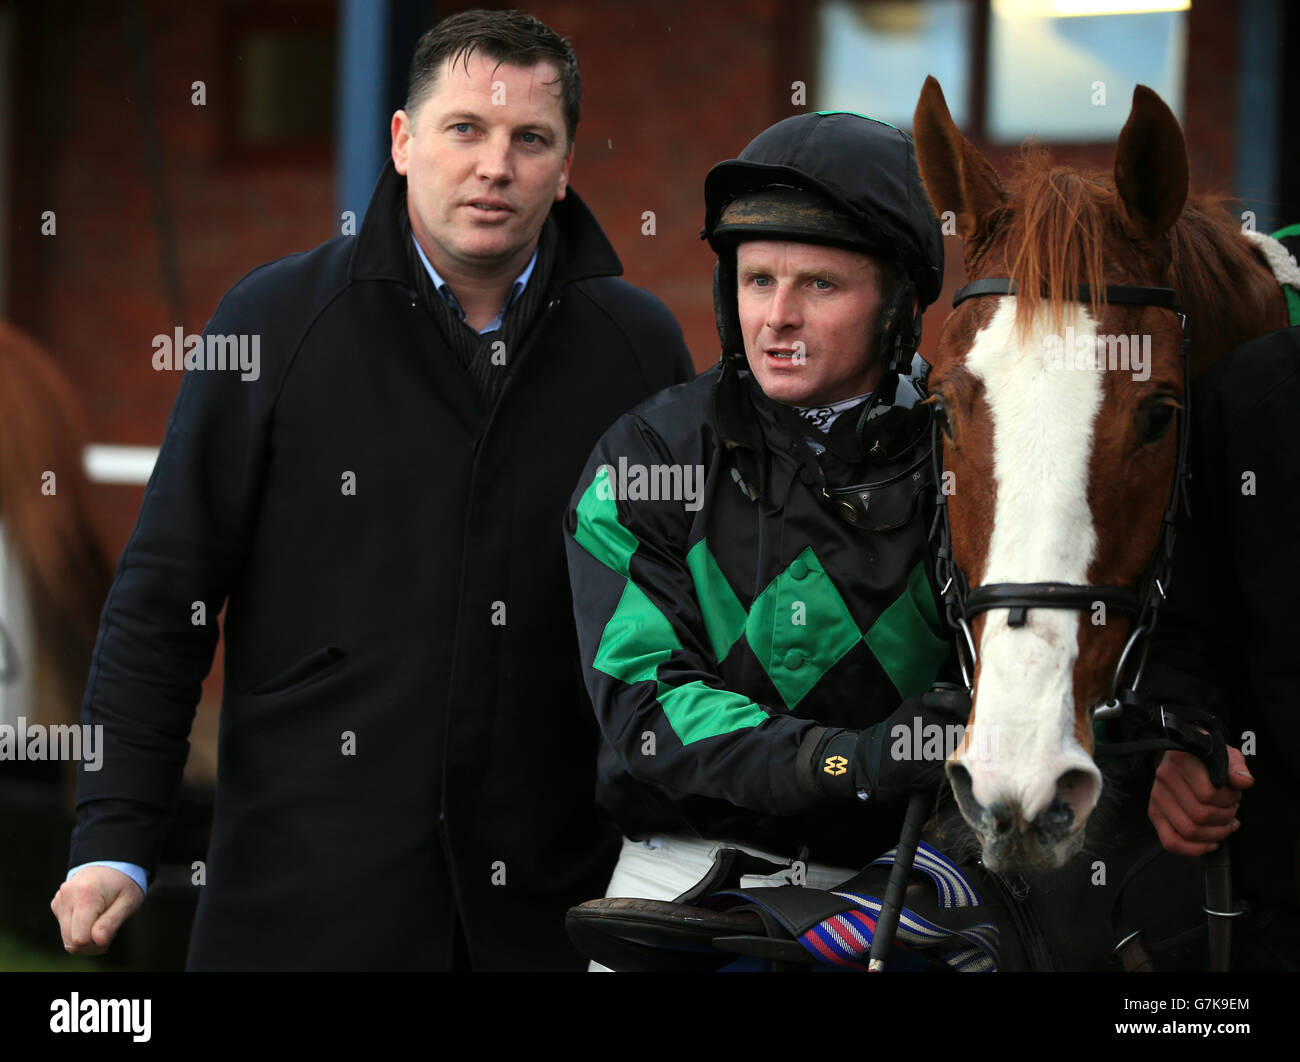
(1226, 643)
(406, 762)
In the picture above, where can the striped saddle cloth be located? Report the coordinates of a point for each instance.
(944, 917)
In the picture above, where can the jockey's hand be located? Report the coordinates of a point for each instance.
(1191, 817)
(91, 907)
(892, 758)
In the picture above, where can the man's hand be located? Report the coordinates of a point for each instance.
(1191, 817)
(91, 907)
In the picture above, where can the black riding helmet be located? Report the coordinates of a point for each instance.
(836, 178)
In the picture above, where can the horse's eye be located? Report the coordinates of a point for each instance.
(1154, 420)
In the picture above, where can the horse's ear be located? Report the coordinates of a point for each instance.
(956, 176)
(1150, 167)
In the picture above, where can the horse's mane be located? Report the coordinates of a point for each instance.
(67, 573)
(1063, 227)
(1220, 278)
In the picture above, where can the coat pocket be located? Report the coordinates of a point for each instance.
(303, 672)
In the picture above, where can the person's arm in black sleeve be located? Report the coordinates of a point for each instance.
(1184, 666)
(667, 346)
(646, 654)
(652, 332)
(158, 630)
(1194, 639)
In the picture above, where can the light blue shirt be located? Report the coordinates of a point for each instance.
(132, 871)
(440, 286)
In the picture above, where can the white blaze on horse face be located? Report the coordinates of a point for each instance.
(1042, 531)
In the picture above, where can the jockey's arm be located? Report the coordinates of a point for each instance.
(647, 653)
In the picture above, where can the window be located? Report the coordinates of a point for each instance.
(1071, 78)
(873, 57)
(1063, 70)
(282, 78)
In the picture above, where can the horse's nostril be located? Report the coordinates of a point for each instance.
(963, 789)
(1077, 790)
(960, 780)
(1072, 781)
(1056, 820)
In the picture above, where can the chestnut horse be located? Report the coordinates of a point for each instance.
(1059, 451)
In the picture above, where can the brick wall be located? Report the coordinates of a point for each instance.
(94, 294)
(671, 87)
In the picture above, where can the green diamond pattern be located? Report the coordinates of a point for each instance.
(724, 615)
(903, 637)
(799, 627)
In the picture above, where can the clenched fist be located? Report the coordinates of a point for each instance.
(1189, 814)
(91, 907)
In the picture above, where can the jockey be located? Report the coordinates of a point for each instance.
(748, 551)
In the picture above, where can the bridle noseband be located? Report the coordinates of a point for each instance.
(962, 602)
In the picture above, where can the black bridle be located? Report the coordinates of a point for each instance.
(1190, 729)
(962, 602)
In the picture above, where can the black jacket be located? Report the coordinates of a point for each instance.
(717, 630)
(1227, 639)
(404, 732)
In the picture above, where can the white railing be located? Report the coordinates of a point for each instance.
(127, 465)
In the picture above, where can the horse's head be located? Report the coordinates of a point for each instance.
(1058, 452)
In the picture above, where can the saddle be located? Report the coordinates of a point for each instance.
(954, 918)
(947, 923)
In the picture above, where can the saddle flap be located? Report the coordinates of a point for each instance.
(796, 908)
(656, 936)
(786, 952)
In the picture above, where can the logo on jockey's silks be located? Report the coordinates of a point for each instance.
(836, 765)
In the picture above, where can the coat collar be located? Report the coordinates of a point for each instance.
(583, 250)
(777, 438)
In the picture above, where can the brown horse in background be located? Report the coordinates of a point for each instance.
(1062, 469)
(46, 523)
